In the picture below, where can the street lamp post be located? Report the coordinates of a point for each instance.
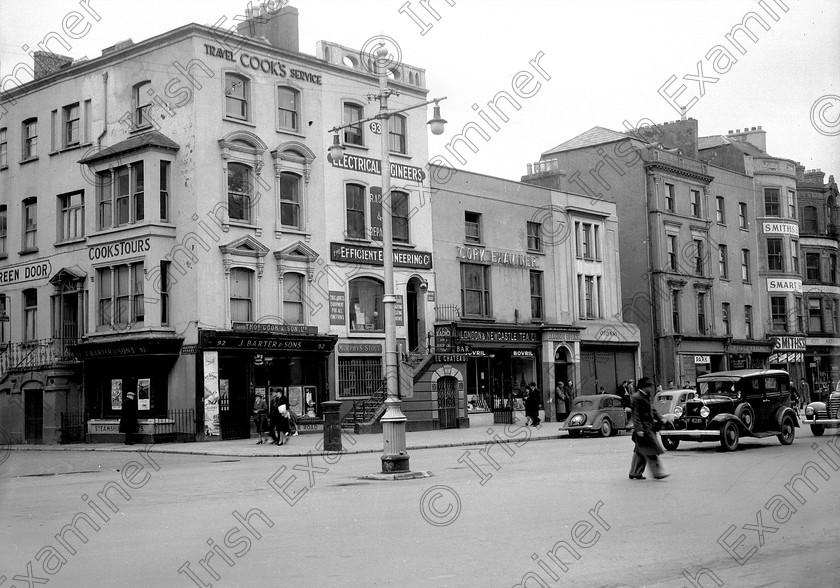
(395, 456)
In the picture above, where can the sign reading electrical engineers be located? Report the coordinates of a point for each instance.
(367, 165)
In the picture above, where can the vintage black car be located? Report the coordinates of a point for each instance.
(735, 404)
(601, 413)
(825, 413)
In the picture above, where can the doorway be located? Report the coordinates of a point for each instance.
(33, 414)
(447, 397)
(415, 316)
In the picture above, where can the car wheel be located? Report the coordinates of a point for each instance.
(606, 428)
(746, 413)
(670, 443)
(817, 430)
(788, 431)
(729, 436)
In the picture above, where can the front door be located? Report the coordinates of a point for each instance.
(447, 395)
(33, 414)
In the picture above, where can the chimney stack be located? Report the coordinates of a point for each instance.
(274, 22)
(47, 63)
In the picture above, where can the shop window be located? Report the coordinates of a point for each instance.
(472, 227)
(771, 202)
(353, 134)
(775, 260)
(534, 241)
(536, 281)
(4, 149)
(355, 199)
(240, 192)
(290, 200)
(359, 376)
(696, 209)
(164, 190)
(366, 311)
(475, 290)
(70, 125)
(778, 313)
(815, 315)
(30, 224)
(812, 267)
(120, 295)
(237, 96)
(810, 222)
(748, 321)
(30, 314)
(396, 133)
(669, 197)
(288, 109)
(399, 217)
(29, 134)
(742, 215)
(720, 210)
(723, 262)
(241, 288)
(71, 216)
(4, 229)
(120, 196)
(293, 285)
(142, 103)
(675, 310)
(672, 252)
(745, 265)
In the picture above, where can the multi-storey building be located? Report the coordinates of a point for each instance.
(819, 232)
(170, 223)
(688, 242)
(527, 291)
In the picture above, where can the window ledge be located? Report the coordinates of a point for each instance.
(354, 146)
(28, 251)
(400, 155)
(242, 224)
(477, 319)
(70, 241)
(239, 121)
(536, 252)
(358, 240)
(401, 245)
(30, 160)
(283, 131)
(4, 255)
(68, 148)
(4, 167)
(474, 244)
(293, 230)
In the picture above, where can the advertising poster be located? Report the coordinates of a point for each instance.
(116, 394)
(296, 399)
(143, 394)
(309, 393)
(211, 394)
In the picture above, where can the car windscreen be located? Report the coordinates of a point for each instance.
(718, 388)
(583, 404)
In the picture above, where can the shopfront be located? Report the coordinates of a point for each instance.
(697, 357)
(234, 366)
(743, 355)
(822, 362)
(789, 355)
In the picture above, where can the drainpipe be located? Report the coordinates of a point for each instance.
(105, 114)
(654, 306)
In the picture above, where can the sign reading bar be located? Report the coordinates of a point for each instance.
(271, 328)
(337, 307)
(497, 257)
(373, 256)
(24, 272)
(367, 165)
(779, 285)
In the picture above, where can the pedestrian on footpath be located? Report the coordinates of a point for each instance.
(532, 404)
(128, 418)
(805, 398)
(561, 402)
(647, 421)
(279, 421)
(261, 418)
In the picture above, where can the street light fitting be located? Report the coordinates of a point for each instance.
(336, 150)
(437, 122)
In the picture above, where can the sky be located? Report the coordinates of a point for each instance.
(599, 62)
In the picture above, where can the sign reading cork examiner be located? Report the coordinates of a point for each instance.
(497, 257)
(374, 256)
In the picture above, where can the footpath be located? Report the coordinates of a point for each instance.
(312, 443)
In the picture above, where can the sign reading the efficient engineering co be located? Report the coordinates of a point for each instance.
(374, 256)
(367, 165)
(24, 272)
(778, 285)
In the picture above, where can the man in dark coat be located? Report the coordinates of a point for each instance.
(128, 420)
(279, 419)
(646, 420)
(532, 404)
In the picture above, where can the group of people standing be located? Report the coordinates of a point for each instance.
(278, 420)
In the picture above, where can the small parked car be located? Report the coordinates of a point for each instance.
(732, 404)
(667, 401)
(824, 414)
(600, 413)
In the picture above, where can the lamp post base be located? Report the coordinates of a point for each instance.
(395, 463)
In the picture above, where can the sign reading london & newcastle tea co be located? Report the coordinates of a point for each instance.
(373, 256)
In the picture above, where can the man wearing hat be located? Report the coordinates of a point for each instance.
(646, 420)
(128, 420)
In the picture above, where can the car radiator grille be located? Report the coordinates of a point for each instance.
(832, 405)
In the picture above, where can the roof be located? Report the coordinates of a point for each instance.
(135, 143)
(719, 140)
(594, 136)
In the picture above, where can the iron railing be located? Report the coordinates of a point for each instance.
(28, 355)
(178, 426)
(447, 312)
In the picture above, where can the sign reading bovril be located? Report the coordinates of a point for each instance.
(25, 272)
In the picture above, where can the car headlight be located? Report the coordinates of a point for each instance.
(578, 419)
(704, 411)
(678, 411)
(809, 411)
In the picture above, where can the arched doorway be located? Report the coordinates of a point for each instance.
(563, 366)
(447, 397)
(415, 315)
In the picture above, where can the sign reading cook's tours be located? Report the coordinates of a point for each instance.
(367, 165)
(374, 256)
(24, 272)
(127, 247)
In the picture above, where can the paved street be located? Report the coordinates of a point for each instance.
(545, 513)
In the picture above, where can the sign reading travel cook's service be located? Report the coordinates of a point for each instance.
(367, 165)
(263, 64)
(24, 272)
(374, 256)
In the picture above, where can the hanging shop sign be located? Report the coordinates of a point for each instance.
(374, 256)
(702, 359)
(24, 272)
(497, 257)
(273, 328)
(399, 171)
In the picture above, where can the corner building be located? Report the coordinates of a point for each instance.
(171, 225)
